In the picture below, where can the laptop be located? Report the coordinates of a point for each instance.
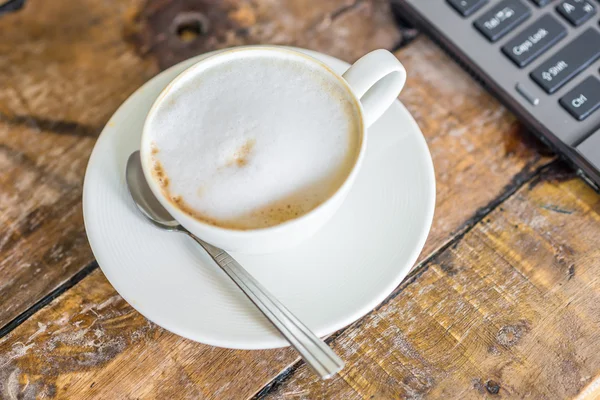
(541, 58)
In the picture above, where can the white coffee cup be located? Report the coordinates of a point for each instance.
(374, 81)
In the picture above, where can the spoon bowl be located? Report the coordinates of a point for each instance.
(144, 198)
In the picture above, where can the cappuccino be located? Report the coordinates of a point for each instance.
(253, 140)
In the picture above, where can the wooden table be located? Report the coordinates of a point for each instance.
(504, 300)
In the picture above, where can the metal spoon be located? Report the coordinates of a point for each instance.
(313, 350)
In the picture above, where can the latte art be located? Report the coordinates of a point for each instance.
(255, 140)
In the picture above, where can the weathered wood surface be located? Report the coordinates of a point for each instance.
(64, 69)
(61, 81)
(94, 300)
(511, 310)
(480, 152)
(91, 344)
(343, 28)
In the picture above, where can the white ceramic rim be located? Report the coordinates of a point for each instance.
(280, 228)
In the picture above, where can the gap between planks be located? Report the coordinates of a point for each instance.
(521, 179)
(44, 301)
(524, 177)
(78, 129)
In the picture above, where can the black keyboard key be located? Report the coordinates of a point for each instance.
(583, 100)
(576, 11)
(568, 61)
(467, 7)
(502, 18)
(541, 3)
(534, 40)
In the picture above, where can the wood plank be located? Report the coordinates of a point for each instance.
(480, 151)
(215, 373)
(64, 69)
(59, 99)
(54, 101)
(92, 344)
(65, 65)
(343, 28)
(511, 309)
(68, 350)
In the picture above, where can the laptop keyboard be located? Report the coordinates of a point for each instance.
(540, 57)
(539, 37)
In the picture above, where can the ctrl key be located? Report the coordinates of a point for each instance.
(583, 100)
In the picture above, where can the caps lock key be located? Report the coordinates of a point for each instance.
(534, 40)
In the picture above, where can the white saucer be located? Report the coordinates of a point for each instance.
(335, 278)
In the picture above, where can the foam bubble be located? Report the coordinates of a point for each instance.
(255, 140)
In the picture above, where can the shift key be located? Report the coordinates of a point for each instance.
(568, 61)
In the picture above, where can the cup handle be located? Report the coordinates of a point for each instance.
(376, 79)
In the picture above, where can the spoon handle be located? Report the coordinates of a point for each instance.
(313, 350)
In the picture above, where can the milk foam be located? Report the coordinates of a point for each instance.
(254, 140)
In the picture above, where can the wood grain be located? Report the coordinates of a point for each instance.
(510, 310)
(480, 152)
(65, 66)
(64, 69)
(92, 344)
(161, 361)
(343, 28)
